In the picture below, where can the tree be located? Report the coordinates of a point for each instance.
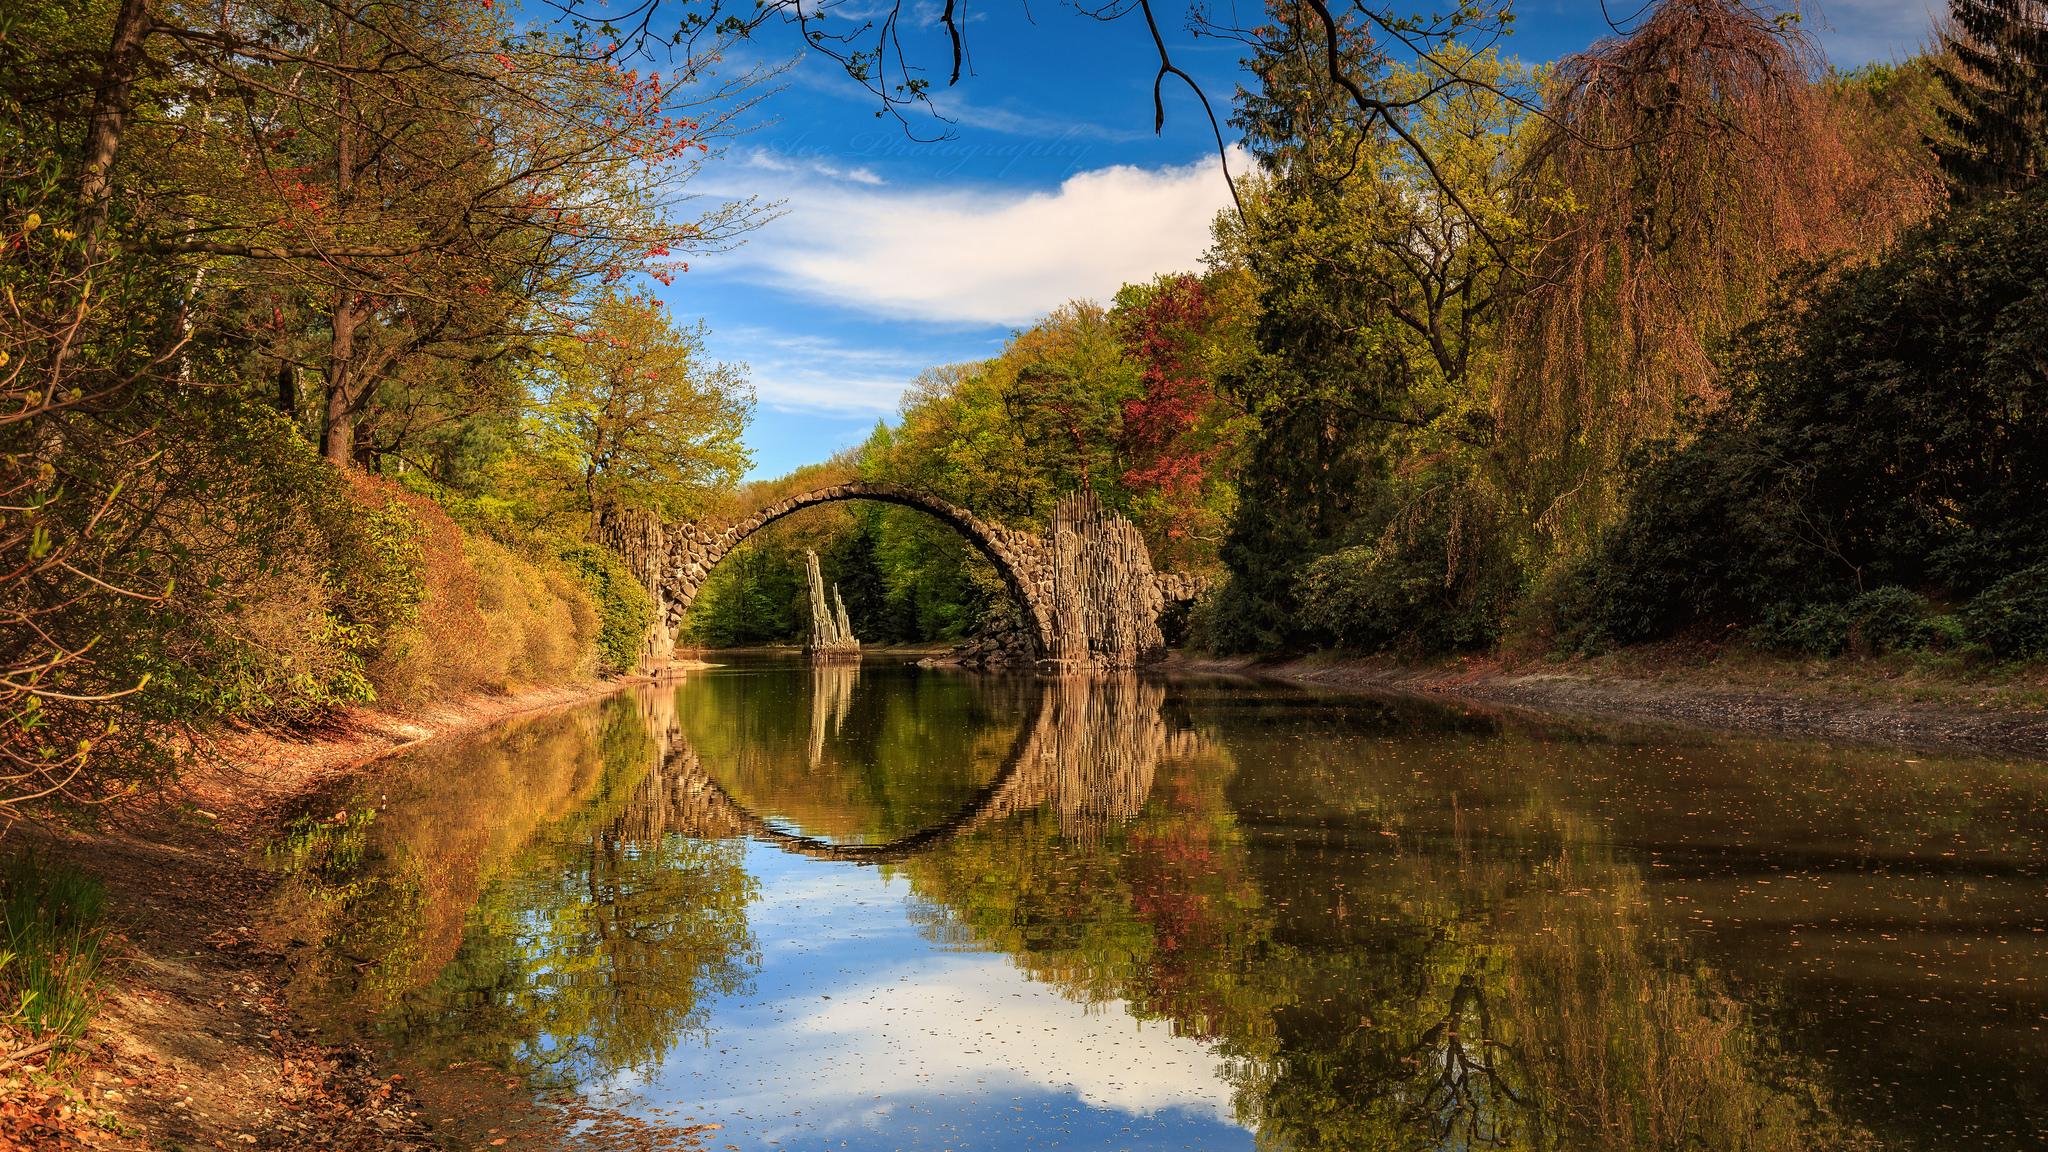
(1885, 434)
(632, 409)
(1179, 435)
(857, 573)
(1995, 74)
(424, 179)
(1376, 295)
(1677, 171)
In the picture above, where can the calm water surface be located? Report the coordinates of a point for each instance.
(892, 908)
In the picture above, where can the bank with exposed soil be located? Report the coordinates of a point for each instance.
(1882, 705)
(194, 1046)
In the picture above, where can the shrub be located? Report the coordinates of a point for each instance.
(1436, 576)
(1946, 632)
(1371, 599)
(52, 934)
(539, 624)
(1890, 619)
(1375, 598)
(2011, 617)
(1876, 623)
(625, 611)
(283, 581)
(1808, 630)
(1884, 429)
(491, 616)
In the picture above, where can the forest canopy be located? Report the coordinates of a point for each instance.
(332, 332)
(1507, 355)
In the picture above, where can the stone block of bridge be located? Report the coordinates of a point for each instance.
(1085, 590)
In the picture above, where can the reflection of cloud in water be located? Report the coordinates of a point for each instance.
(860, 1023)
(970, 1019)
(787, 912)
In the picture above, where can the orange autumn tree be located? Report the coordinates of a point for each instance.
(400, 195)
(1677, 171)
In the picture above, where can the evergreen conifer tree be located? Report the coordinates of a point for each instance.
(1996, 76)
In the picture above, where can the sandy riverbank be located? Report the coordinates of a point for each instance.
(2000, 717)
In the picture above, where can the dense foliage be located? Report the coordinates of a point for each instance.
(314, 388)
(275, 306)
(1659, 338)
(1885, 446)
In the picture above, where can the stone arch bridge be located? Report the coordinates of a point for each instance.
(1085, 589)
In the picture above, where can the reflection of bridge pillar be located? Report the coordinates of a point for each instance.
(832, 688)
(1089, 751)
(1095, 748)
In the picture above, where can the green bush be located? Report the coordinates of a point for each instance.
(1876, 623)
(1437, 580)
(1370, 599)
(2011, 617)
(1886, 620)
(1884, 431)
(625, 611)
(1806, 630)
(52, 937)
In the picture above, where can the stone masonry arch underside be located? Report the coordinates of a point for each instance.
(1085, 590)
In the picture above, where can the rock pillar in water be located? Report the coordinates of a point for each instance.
(832, 637)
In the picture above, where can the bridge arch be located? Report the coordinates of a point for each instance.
(695, 550)
(1085, 588)
(1088, 748)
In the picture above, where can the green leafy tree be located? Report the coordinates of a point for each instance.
(636, 413)
(854, 566)
(1377, 295)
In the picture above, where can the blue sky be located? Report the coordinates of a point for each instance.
(893, 255)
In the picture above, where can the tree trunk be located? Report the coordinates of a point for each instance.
(288, 389)
(338, 434)
(109, 118)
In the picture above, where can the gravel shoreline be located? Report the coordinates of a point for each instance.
(1688, 697)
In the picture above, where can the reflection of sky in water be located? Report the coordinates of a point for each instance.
(861, 1033)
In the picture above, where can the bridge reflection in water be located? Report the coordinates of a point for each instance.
(1294, 921)
(1087, 750)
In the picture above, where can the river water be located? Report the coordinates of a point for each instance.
(894, 908)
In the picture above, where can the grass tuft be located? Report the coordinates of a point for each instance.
(52, 937)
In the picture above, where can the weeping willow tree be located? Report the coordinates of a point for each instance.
(1677, 171)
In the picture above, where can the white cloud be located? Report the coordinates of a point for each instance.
(820, 374)
(966, 1026)
(978, 256)
(770, 160)
(856, 1018)
(969, 1016)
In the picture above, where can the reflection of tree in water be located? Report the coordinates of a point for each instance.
(899, 752)
(1466, 1100)
(584, 949)
(1375, 980)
